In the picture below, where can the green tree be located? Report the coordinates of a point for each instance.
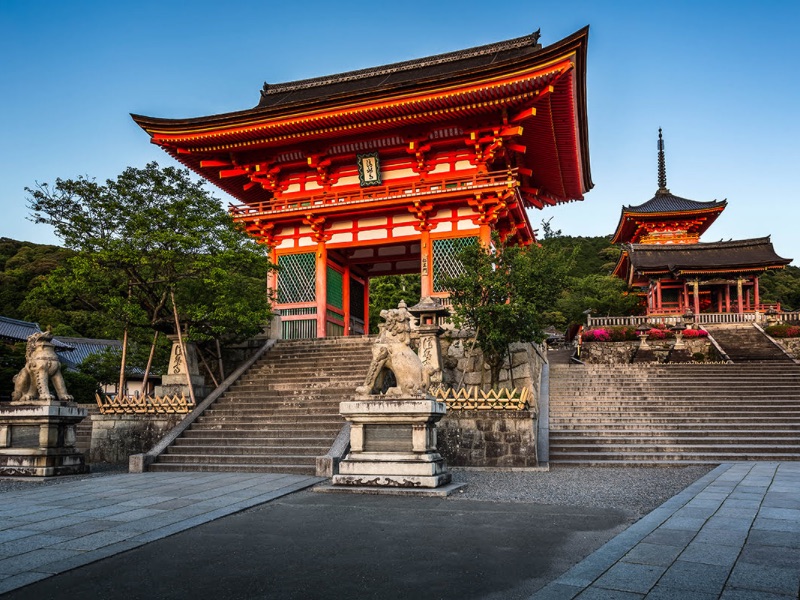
(387, 291)
(143, 238)
(507, 294)
(602, 294)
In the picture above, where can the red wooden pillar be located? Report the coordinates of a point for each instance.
(346, 298)
(685, 296)
(696, 289)
(739, 294)
(719, 301)
(727, 297)
(426, 263)
(658, 296)
(321, 289)
(366, 305)
(272, 276)
(485, 235)
(755, 293)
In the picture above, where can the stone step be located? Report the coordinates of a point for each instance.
(289, 469)
(298, 434)
(231, 439)
(229, 450)
(660, 457)
(678, 433)
(240, 459)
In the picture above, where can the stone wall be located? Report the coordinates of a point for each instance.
(617, 353)
(791, 345)
(463, 365)
(116, 437)
(488, 438)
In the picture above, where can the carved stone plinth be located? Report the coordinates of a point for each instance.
(392, 443)
(175, 381)
(38, 439)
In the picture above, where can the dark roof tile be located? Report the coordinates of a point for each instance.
(668, 202)
(736, 255)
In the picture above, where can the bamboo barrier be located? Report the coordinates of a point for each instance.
(143, 405)
(473, 398)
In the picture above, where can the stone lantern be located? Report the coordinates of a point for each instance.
(678, 329)
(643, 330)
(772, 316)
(688, 318)
(430, 312)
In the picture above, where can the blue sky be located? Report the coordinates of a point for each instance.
(719, 77)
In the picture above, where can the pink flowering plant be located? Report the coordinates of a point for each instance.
(627, 334)
(784, 330)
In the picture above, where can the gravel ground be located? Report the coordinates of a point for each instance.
(636, 490)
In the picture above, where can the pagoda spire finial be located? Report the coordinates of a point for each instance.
(662, 166)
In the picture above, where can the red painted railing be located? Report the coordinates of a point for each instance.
(433, 187)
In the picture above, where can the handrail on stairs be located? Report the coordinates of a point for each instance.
(138, 463)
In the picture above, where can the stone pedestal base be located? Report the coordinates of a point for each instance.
(38, 439)
(392, 443)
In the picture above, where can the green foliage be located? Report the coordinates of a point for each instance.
(22, 266)
(137, 239)
(82, 387)
(387, 292)
(505, 293)
(781, 286)
(592, 255)
(783, 330)
(12, 359)
(603, 294)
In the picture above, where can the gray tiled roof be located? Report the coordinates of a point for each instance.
(398, 74)
(18, 331)
(669, 202)
(83, 348)
(736, 255)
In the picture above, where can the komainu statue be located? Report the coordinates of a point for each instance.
(41, 368)
(392, 353)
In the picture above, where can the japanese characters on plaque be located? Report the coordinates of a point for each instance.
(369, 169)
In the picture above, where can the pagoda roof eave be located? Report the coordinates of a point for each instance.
(750, 255)
(630, 217)
(541, 56)
(561, 66)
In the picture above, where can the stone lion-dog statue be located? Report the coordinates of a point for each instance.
(392, 351)
(41, 368)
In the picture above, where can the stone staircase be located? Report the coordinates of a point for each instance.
(280, 415)
(674, 414)
(745, 343)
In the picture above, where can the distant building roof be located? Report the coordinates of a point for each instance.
(83, 348)
(398, 75)
(15, 330)
(736, 256)
(667, 202)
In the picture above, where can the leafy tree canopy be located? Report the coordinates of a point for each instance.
(387, 291)
(506, 294)
(141, 237)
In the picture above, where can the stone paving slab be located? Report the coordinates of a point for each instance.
(732, 535)
(51, 530)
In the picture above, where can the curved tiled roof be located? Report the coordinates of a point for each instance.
(398, 74)
(666, 201)
(18, 331)
(735, 256)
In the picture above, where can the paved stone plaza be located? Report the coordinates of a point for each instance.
(734, 534)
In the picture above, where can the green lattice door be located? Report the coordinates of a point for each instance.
(334, 321)
(445, 259)
(297, 276)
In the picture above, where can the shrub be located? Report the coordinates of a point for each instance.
(628, 334)
(783, 331)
